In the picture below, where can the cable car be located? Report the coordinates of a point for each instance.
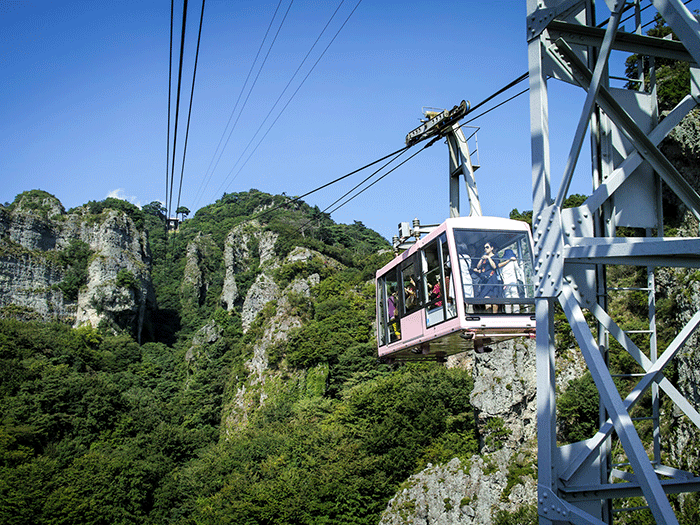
(468, 283)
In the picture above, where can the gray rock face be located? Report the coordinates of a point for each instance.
(28, 281)
(31, 232)
(34, 232)
(252, 391)
(505, 383)
(246, 245)
(682, 147)
(471, 493)
(262, 292)
(194, 283)
(235, 252)
(208, 334)
(460, 494)
(120, 247)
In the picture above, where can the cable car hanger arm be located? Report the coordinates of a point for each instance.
(439, 124)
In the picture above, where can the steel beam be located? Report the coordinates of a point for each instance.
(570, 481)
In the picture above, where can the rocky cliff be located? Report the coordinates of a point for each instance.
(86, 266)
(265, 288)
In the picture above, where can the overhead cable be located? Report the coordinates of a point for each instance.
(654, 19)
(301, 64)
(486, 100)
(504, 88)
(387, 173)
(496, 106)
(343, 177)
(395, 153)
(210, 171)
(240, 112)
(177, 104)
(293, 95)
(401, 152)
(170, 89)
(189, 113)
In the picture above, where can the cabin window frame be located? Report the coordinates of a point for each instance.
(390, 328)
(441, 248)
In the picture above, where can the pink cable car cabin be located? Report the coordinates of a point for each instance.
(467, 284)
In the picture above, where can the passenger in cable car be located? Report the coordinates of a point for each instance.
(411, 294)
(395, 334)
(511, 274)
(491, 283)
(436, 291)
(392, 305)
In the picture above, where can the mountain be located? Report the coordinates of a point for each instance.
(254, 394)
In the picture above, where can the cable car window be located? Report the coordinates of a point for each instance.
(449, 282)
(439, 303)
(382, 318)
(495, 265)
(411, 291)
(466, 265)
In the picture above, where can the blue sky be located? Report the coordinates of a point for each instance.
(83, 99)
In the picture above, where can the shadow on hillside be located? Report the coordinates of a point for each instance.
(165, 324)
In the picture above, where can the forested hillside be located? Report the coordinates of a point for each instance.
(99, 429)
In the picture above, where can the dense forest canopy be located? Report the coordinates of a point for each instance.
(98, 429)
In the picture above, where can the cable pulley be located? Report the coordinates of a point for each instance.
(438, 124)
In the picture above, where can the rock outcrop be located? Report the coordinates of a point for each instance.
(42, 246)
(269, 307)
(461, 493)
(682, 287)
(472, 492)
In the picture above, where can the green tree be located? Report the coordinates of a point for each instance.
(155, 209)
(578, 410)
(75, 258)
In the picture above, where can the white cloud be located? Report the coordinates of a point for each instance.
(119, 193)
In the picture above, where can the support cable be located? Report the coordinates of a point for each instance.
(287, 104)
(210, 170)
(189, 113)
(281, 95)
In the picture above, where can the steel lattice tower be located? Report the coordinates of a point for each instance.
(575, 246)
